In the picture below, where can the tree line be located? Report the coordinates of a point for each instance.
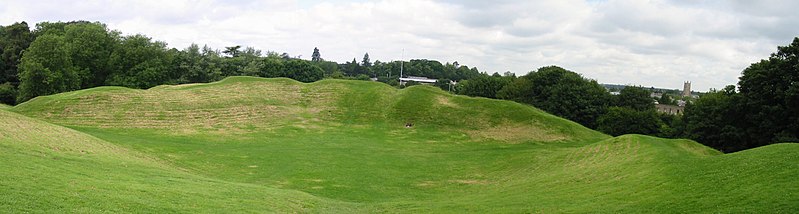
(570, 95)
(55, 57)
(763, 109)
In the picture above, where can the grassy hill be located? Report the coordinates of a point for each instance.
(253, 144)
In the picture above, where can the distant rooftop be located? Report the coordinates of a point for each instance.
(418, 79)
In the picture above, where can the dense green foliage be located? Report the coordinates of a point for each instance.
(8, 93)
(139, 63)
(560, 92)
(771, 93)
(666, 99)
(633, 112)
(276, 145)
(484, 86)
(715, 120)
(14, 39)
(91, 46)
(98, 56)
(635, 98)
(199, 65)
(762, 112)
(46, 68)
(621, 120)
(424, 68)
(303, 71)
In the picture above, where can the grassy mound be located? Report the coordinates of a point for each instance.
(345, 144)
(239, 105)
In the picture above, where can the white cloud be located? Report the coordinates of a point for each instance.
(657, 42)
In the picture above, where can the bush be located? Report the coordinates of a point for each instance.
(362, 77)
(8, 94)
(619, 121)
(303, 71)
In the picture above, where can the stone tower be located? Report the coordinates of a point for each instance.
(686, 89)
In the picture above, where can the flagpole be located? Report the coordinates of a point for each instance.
(402, 61)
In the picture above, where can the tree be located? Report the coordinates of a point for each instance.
(139, 62)
(90, 46)
(444, 84)
(232, 51)
(672, 126)
(316, 57)
(303, 71)
(560, 92)
(665, 99)
(363, 77)
(622, 120)
(46, 69)
(484, 86)
(464, 72)
(410, 83)
(771, 95)
(273, 67)
(366, 62)
(352, 68)
(195, 65)
(763, 110)
(329, 67)
(636, 98)
(8, 93)
(716, 120)
(247, 63)
(425, 68)
(13, 40)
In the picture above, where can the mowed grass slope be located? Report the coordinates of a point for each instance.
(49, 168)
(345, 143)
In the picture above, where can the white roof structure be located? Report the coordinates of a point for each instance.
(418, 79)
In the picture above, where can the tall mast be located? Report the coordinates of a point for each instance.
(402, 61)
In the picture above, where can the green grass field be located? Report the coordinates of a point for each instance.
(276, 145)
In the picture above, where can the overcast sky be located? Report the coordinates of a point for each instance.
(651, 43)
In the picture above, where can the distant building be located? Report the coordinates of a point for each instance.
(686, 89)
(656, 95)
(422, 80)
(670, 109)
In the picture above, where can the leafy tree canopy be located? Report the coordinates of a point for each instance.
(560, 92)
(46, 68)
(636, 98)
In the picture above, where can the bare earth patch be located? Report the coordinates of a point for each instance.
(517, 133)
(479, 182)
(446, 102)
(426, 183)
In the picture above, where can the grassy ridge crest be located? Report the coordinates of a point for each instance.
(244, 104)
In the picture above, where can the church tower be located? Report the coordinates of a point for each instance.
(686, 89)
